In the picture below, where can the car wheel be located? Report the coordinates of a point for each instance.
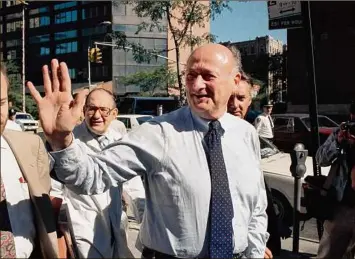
(282, 207)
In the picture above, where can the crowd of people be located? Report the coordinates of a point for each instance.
(198, 169)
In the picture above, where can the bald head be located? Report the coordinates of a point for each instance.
(218, 52)
(211, 74)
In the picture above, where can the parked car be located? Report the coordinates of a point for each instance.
(276, 167)
(26, 121)
(296, 128)
(133, 120)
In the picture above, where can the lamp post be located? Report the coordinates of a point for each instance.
(106, 23)
(23, 56)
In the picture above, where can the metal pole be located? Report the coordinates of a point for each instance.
(296, 211)
(23, 60)
(89, 67)
(313, 102)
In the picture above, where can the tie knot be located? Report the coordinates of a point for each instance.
(216, 125)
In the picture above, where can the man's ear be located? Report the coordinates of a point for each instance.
(114, 112)
(237, 78)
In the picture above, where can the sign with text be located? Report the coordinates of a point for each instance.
(284, 14)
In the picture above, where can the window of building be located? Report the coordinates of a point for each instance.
(14, 26)
(72, 73)
(39, 38)
(125, 27)
(65, 35)
(70, 16)
(13, 16)
(39, 10)
(44, 51)
(95, 11)
(65, 5)
(67, 47)
(13, 43)
(94, 30)
(12, 54)
(36, 22)
(11, 3)
(119, 9)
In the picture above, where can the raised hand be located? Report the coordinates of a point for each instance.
(58, 112)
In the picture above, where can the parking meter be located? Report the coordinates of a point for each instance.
(298, 161)
(298, 169)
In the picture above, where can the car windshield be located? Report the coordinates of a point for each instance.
(143, 119)
(324, 122)
(267, 148)
(23, 117)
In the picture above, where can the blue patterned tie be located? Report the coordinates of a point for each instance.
(221, 208)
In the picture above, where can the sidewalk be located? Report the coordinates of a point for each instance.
(308, 248)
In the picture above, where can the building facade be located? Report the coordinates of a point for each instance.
(258, 55)
(65, 30)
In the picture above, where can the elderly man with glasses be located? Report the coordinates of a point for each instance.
(96, 219)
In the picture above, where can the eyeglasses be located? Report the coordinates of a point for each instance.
(104, 111)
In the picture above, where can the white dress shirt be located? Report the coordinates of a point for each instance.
(92, 216)
(264, 126)
(18, 202)
(169, 152)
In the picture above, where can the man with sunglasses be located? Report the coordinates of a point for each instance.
(96, 219)
(338, 240)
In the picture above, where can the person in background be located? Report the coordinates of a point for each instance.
(100, 230)
(11, 123)
(338, 239)
(264, 124)
(224, 215)
(238, 105)
(27, 222)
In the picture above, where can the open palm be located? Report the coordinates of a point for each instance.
(58, 112)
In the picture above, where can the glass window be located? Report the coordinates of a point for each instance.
(44, 51)
(39, 10)
(65, 5)
(65, 35)
(324, 122)
(12, 54)
(39, 38)
(125, 27)
(70, 16)
(14, 26)
(67, 47)
(13, 43)
(94, 30)
(39, 21)
(13, 16)
(72, 73)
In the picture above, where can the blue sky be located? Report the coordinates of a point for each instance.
(245, 21)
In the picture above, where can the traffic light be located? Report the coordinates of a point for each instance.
(95, 55)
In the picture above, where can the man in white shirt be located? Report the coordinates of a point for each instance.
(96, 219)
(11, 124)
(27, 223)
(264, 124)
(205, 193)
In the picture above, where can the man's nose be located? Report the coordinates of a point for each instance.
(97, 113)
(198, 84)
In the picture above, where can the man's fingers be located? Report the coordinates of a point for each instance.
(79, 102)
(268, 253)
(47, 83)
(65, 85)
(35, 94)
(55, 76)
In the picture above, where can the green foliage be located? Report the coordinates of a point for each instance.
(152, 82)
(15, 89)
(179, 16)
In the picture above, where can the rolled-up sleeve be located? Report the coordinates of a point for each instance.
(138, 153)
(257, 229)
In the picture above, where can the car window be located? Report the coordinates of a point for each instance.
(143, 119)
(126, 121)
(280, 124)
(323, 121)
(23, 117)
(267, 148)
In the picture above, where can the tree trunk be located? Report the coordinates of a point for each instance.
(182, 97)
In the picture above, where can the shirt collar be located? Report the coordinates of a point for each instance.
(201, 124)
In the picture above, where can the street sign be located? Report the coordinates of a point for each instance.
(284, 14)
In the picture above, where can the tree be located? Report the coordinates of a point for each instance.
(152, 82)
(15, 89)
(181, 16)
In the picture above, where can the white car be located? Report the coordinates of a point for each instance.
(26, 122)
(276, 167)
(133, 120)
